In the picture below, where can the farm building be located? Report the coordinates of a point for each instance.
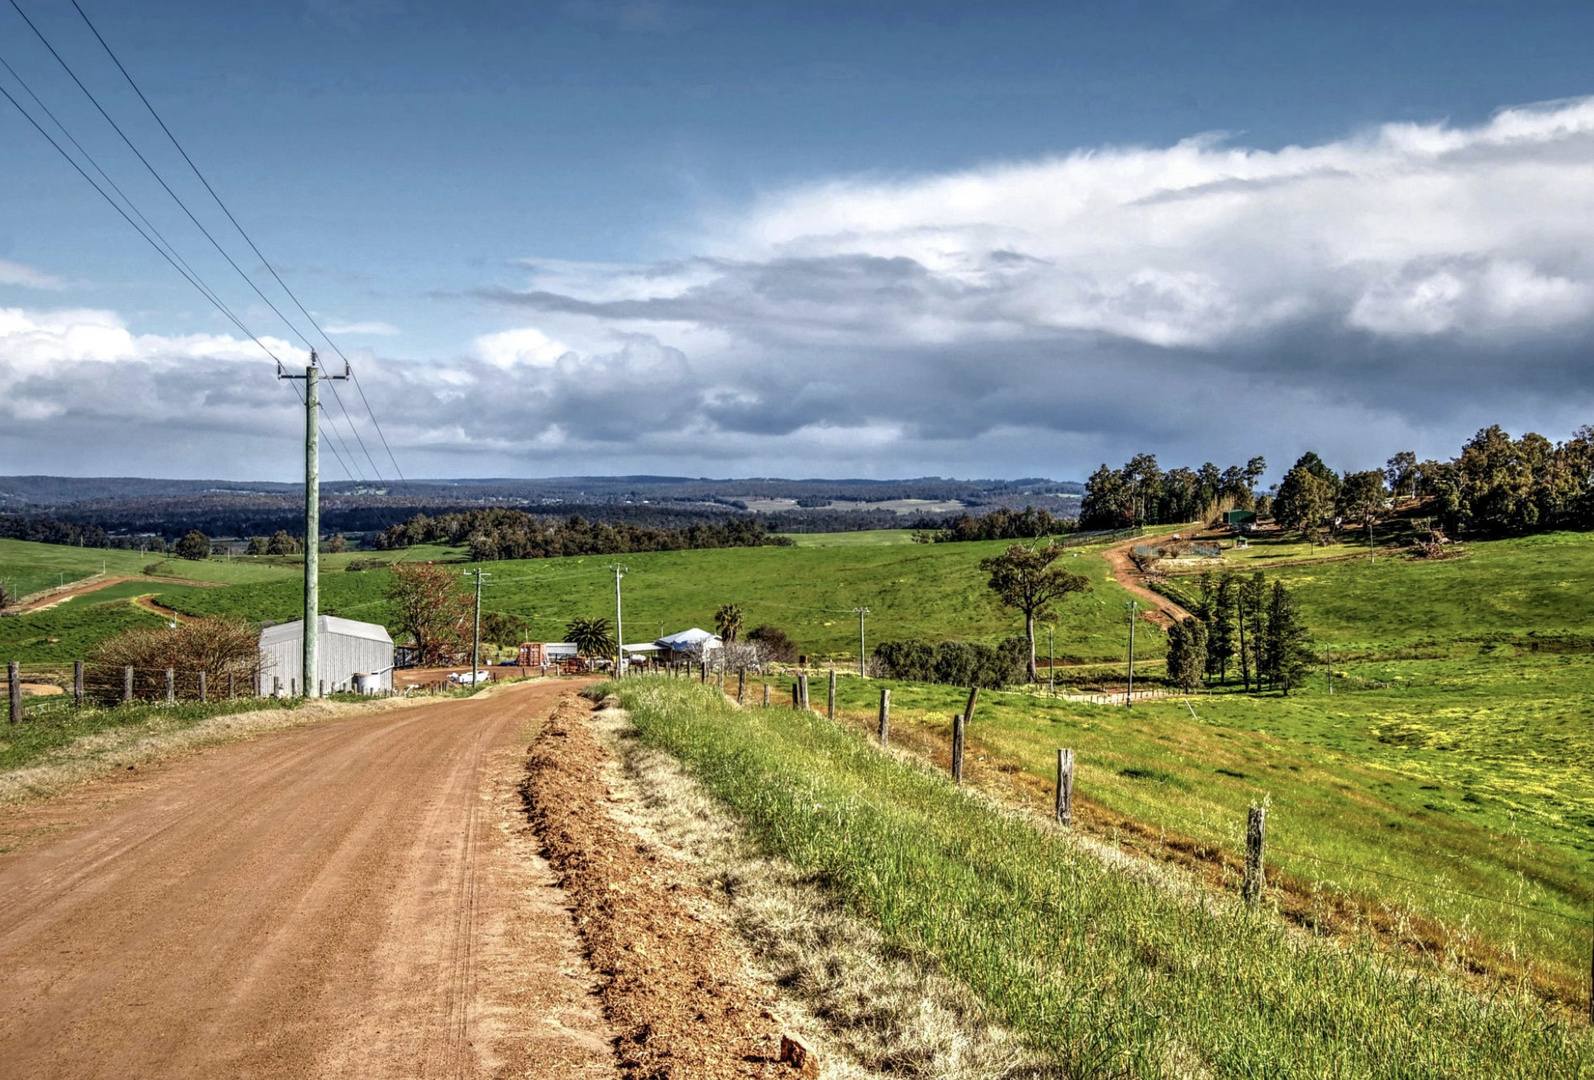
(537, 653)
(1237, 518)
(688, 641)
(345, 650)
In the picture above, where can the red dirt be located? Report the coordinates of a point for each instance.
(673, 987)
(356, 898)
(1122, 569)
(51, 598)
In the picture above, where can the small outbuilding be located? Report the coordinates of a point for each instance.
(352, 656)
(688, 641)
(1236, 518)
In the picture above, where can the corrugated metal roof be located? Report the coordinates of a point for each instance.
(326, 624)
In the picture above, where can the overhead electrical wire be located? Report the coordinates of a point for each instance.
(337, 436)
(252, 247)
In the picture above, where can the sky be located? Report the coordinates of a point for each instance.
(810, 239)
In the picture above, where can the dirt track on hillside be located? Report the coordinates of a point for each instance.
(1163, 612)
(358, 898)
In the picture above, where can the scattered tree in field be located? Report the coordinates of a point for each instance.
(728, 622)
(955, 663)
(257, 546)
(1361, 498)
(1220, 629)
(591, 637)
(1306, 497)
(1401, 473)
(432, 610)
(1026, 578)
(195, 545)
(284, 543)
(335, 545)
(1288, 652)
(1187, 653)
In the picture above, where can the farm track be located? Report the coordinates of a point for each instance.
(1121, 567)
(357, 898)
(49, 598)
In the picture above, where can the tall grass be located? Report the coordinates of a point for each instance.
(1112, 975)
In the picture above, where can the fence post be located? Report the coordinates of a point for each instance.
(832, 693)
(14, 680)
(229, 686)
(127, 684)
(1255, 876)
(171, 685)
(77, 683)
(1065, 787)
(766, 694)
(202, 687)
(702, 675)
(885, 717)
(741, 685)
(802, 690)
(796, 696)
(957, 748)
(276, 686)
(321, 688)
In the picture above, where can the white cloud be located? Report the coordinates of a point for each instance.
(523, 347)
(14, 273)
(376, 329)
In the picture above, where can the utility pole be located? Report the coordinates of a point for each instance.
(861, 612)
(476, 633)
(1129, 694)
(312, 514)
(619, 623)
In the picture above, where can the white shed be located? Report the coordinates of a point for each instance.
(344, 649)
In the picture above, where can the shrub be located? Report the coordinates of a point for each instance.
(773, 644)
(218, 646)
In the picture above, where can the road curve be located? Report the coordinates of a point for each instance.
(353, 899)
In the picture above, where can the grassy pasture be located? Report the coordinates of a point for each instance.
(1112, 976)
(926, 590)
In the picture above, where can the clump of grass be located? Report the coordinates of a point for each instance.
(1107, 974)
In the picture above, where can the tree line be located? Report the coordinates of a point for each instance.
(1141, 493)
(1000, 524)
(513, 534)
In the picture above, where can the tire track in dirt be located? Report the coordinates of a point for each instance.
(325, 901)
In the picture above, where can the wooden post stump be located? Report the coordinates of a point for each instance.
(832, 706)
(802, 690)
(741, 685)
(77, 683)
(957, 748)
(14, 680)
(885, 717)
(1255, 875)
(202, 686)
(171, 685)
(1065, 787)
(127, 684)
(766, 695)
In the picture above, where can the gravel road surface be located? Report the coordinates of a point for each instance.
(354, 899)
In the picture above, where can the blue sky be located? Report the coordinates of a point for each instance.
(889, 239)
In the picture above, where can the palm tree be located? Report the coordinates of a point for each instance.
(728, 621)
(591, 637)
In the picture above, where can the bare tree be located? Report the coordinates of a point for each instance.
(432, 610)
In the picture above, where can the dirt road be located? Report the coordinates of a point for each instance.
(355, 899)
(1161, 610)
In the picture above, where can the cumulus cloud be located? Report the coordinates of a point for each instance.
(363, 329)
(1393, 289)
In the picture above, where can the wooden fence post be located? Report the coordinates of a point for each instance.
(276, 686)
(885, 717)
(171, 685)
(957, 748)
(832, 693)
(202, 687)
(741, 685)
(229, 686)
(14, 681)
(802, 690)
(766, 694)
(702, 675)
(321, 687)
(796, 696)
(77, 683)
(127, 684)
(1255, 876)
(1065, 787)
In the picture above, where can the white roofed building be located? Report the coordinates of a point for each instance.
(345, 649)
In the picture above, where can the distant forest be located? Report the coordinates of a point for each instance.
(514, 534)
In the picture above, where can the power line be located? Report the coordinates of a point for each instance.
(252, 247)
(181, 204)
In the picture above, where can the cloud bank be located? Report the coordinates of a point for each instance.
(1204, 300)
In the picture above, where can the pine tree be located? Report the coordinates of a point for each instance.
(1187, 653)
(1251, 617)
(1289, 654)
(1220, 629)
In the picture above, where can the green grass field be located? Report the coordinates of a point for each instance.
(1110, 975)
